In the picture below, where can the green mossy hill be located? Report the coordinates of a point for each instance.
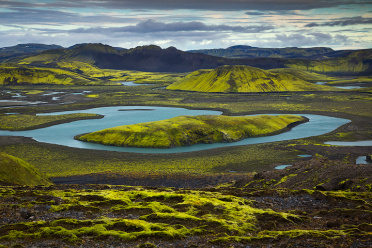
(242, 79)
(14, 171)
(25, 75)
(189, 130)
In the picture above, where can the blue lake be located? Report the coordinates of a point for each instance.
(63, 134)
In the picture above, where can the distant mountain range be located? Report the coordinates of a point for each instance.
(155, 59)
(288, 52)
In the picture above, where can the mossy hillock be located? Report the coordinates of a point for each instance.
(189, 130)
(15, 171)
(242, 78)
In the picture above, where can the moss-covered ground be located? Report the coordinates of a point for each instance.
(189, 130)
(121, 216)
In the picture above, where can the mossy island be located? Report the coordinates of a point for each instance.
(190, 130)
(241, 78)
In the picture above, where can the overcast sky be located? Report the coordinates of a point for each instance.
(188, 24)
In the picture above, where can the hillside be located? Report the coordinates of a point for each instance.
(23, 50)
(13, 74)
(189, 130)
(242, 79)
(355, 63)
(265, 213)
(14, 171)
(242, 51)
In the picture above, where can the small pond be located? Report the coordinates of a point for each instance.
(362, 160)
(63, 134)
(131, 83)
(283, 166)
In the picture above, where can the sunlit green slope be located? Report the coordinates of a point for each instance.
(242, 79)
(356, 63)
(18, 75)
(304, 75)
(189, 130)
(14, 171)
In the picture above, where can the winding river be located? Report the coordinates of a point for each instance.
(63, 134)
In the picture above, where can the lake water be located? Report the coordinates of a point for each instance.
(283, 166)
(350, 143)
(63, 134)
(131, 83)
(362, 160)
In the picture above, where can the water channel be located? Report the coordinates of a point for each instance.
(63, 134)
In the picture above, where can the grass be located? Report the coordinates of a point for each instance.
(244, 79)
(29, 122)
(189, 130)
(14, 171)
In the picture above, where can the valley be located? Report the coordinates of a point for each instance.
(62, 88)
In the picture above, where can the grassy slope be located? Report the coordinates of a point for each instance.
(188, 130)
(304, 75)
(17, 74)
(16, 171)
(355, 63)
(242, 79)
(29, 122)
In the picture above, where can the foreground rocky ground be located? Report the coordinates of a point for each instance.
(269, 209)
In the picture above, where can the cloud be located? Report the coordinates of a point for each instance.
(220, 5)
(152, 26)
(342, 22)
(311, 39)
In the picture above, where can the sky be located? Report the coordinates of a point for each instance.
(188, 24)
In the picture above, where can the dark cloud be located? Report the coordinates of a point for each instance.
(45, 16)
(152, 26)
(221, 5)
(342, 22)
(255, 13)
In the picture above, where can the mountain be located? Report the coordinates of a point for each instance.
(153, 58)
(22, 50)
(242, 78)
(242, 51)
(14, 171)
(142, 58)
